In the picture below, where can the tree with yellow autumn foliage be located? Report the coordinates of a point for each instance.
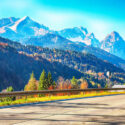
(32, 84)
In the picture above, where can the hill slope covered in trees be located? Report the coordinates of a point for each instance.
(16, 68)
(101, 54)
(18, 61)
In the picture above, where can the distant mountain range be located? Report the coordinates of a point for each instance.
(29, 32)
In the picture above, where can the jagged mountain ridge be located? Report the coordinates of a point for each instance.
(8, 21)
(114, 43)
(23, 28)
(80, 34)
(26, 30)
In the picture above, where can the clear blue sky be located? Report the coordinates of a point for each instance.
(98, 16)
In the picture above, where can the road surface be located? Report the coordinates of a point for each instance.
(107, 110)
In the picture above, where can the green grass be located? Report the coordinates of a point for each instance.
(25, 100)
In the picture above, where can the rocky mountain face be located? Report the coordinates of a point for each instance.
(20, 29)
(80, 34)
(28, 28)
(114, 43)
(76, 34)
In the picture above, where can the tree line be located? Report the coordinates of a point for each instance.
(46, 82)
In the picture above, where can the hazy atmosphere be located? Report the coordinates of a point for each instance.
(100, 17)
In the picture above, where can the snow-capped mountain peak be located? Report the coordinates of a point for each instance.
(26, 17)
(14, 27)
(27, 27)
(113, 37)
(114, 44)
(80, 34)
(75, 34)
(21, 28)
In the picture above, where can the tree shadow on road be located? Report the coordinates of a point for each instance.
(69, 117)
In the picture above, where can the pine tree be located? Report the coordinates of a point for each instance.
(49, 80)
(74, 82)
(43, 81)
(31, 84)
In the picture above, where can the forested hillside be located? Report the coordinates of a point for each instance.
(101, 54)
(16, 68)
(18, 61)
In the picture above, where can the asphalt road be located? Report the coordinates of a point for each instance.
(107, 110)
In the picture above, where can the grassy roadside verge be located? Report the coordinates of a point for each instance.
(52, 98)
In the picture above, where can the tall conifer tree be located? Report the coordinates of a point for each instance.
(43, 81)
(74, 82)
(49, 80)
